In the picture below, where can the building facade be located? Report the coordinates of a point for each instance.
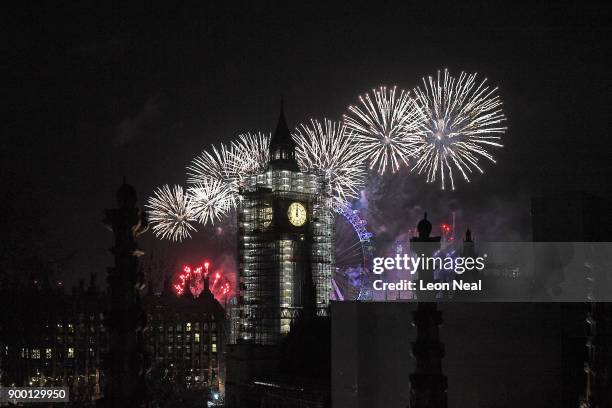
(52, 338)
(184, 341)
(286, 242)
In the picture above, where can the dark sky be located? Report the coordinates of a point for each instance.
(93, 93)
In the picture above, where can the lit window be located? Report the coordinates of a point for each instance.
(48, 353)
(70, 352)
(36, 354)
(70, 328)
(197, 338)
(214, 347)
(188, 327)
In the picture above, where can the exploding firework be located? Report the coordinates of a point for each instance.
(386, 125)
(330, 150)
(211, 200)
(170, 212)
(462, 119)
(222, 165)
(252, 152)
(193, 278)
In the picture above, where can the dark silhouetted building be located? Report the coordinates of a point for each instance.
(427, 384)
(49, 338)
(587, 360)
(184, 341)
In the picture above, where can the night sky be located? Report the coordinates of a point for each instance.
(92, 94)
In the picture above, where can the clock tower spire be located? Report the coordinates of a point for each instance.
(285, 249)
(282, 146)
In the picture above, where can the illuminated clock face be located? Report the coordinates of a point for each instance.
(297, 214)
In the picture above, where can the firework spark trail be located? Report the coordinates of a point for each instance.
(462, 118)
(211, 200)
(192, 278)
(222, 165)
(251, 152)
(331, 150)
(386, 126)
(170, 212)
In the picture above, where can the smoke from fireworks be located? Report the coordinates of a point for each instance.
(170, 212)
(330, 149)
(385, 125)
(462, 119)
(211, 200)
(447, 126)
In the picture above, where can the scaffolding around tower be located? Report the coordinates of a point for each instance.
(279, 250)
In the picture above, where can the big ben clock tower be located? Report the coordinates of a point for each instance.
(285, 244)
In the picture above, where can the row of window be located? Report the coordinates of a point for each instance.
(47, 353)
(178, 338)
(188, 327)
(187, 349)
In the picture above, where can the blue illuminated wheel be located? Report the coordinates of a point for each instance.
(353, 246)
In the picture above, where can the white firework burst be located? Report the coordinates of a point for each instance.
(386, 126)
(462, 119)
(211, 200)
(171, 213)
(330, 150)
(252, 152)
(222, 165)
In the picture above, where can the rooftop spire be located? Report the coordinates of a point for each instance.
(282, 145)
(282, 136)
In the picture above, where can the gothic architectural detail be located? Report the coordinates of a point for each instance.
(184, 342)
(286, 229)
(428, 384)
(124, 364)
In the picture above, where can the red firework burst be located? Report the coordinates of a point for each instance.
(194, 279)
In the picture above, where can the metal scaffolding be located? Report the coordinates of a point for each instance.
(275, 255)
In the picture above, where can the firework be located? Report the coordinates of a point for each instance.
(251, 152)
(386, 125)
(193, 278)
(462, 119)
(211, 200)
(222, 165)
(214, 179)
(330, 150)
(170, 213)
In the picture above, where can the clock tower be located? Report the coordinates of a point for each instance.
(285, 245)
